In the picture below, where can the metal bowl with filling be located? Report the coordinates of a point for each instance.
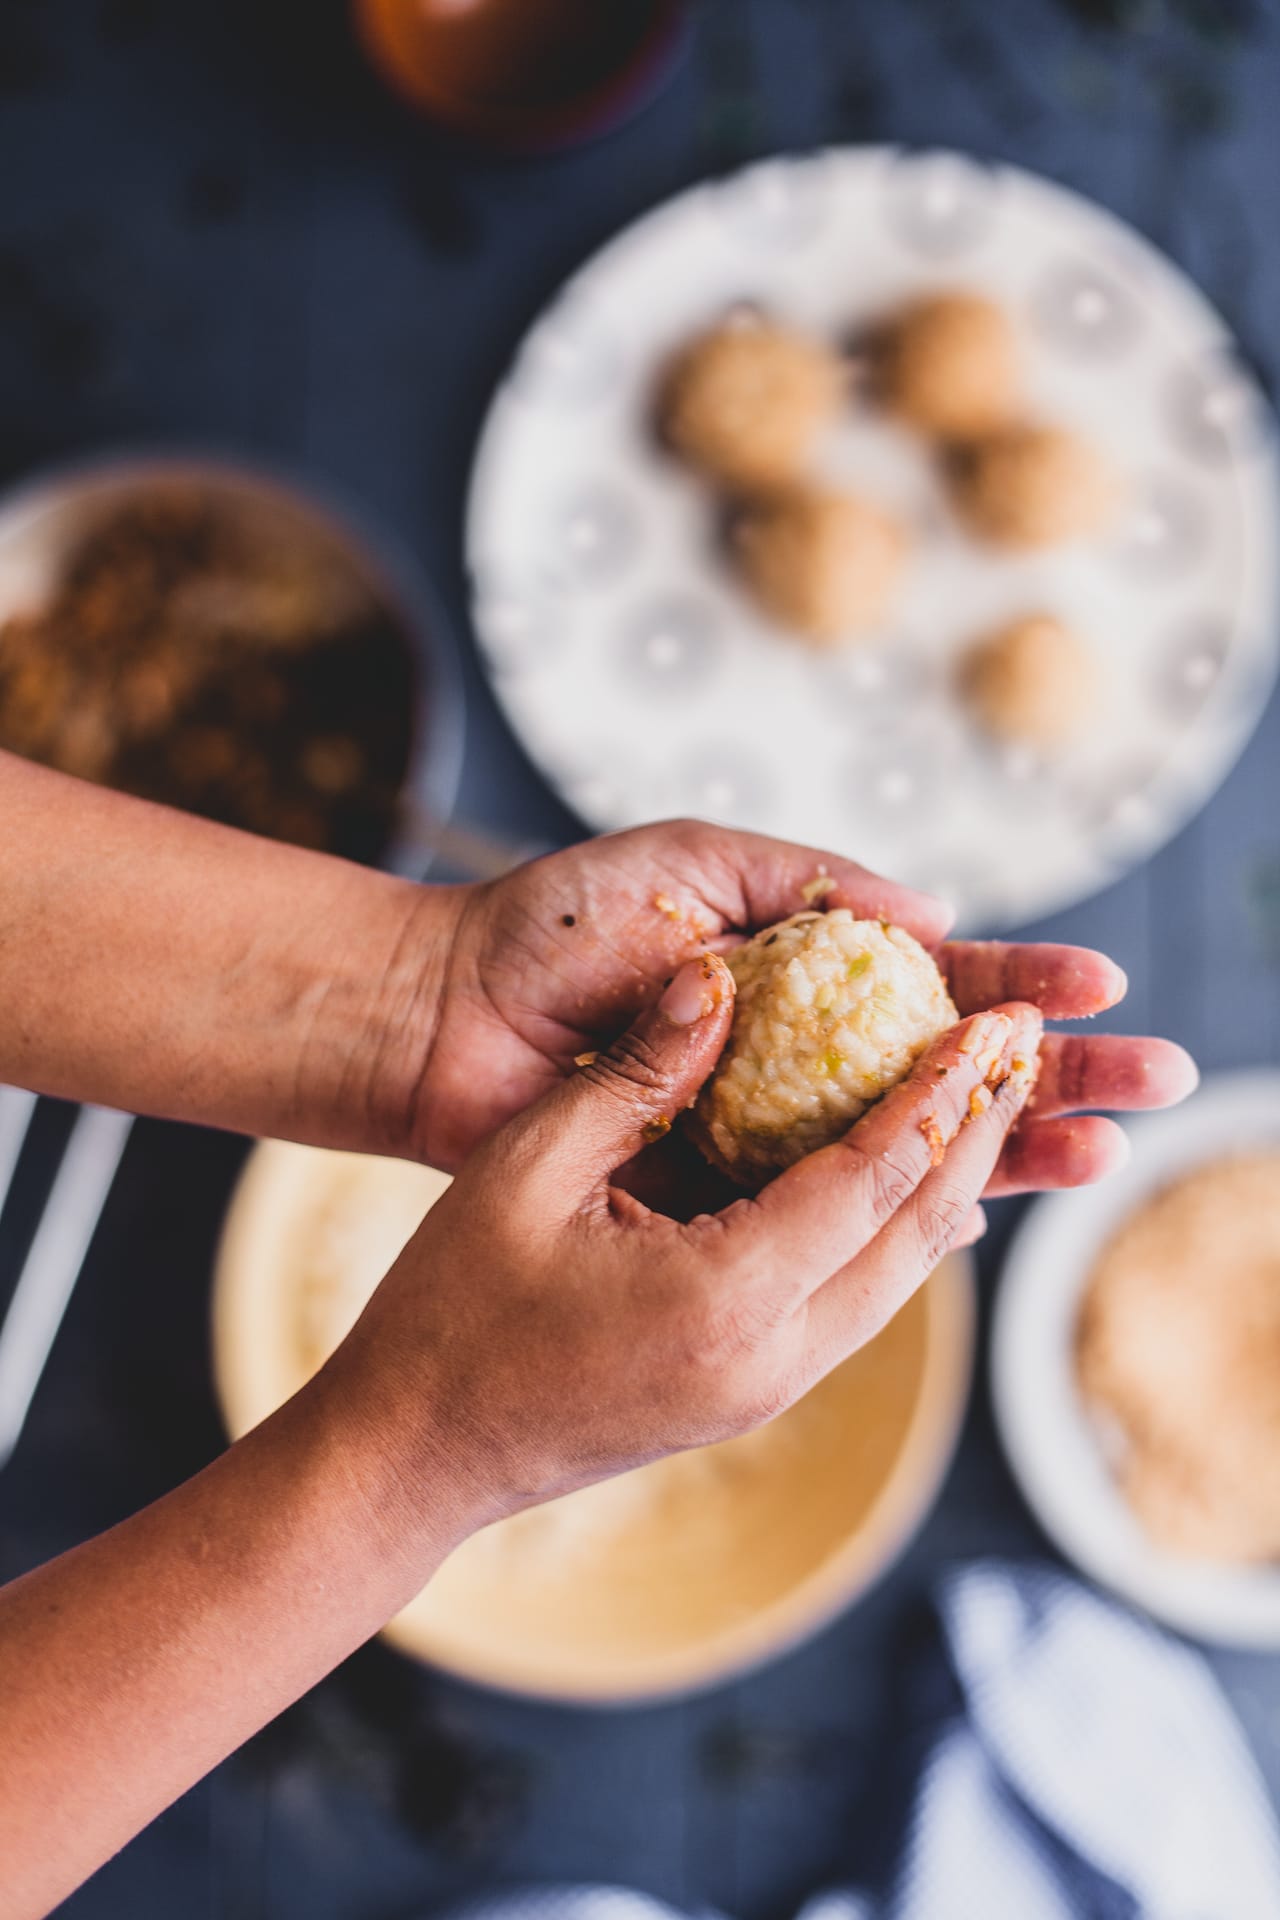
(222, 639)
(666, 1580)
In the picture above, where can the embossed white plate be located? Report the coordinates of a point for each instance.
(644, 683)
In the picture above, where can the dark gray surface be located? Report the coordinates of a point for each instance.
(218, 231)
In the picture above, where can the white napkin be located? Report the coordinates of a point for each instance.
(1090, 1770)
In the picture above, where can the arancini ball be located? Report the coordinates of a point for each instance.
(746, 401)
(949, 366)
(822, 562)
(1034, 682)
(1033, 486)
(830, 1013)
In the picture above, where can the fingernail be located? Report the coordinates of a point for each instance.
(696, 991)
(1189, 1081)
(986, 1030)
(972, 1230)
(987, 1042)
(1023, 1057)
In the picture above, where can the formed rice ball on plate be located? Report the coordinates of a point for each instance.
(822, 562)
(1031, 486)
(746, 401)
(831, 1012)
(1033, 682)
(949, 366)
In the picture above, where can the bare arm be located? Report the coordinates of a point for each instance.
(542, 1330)
(133, 1664)
(152, 961)
(160, 963)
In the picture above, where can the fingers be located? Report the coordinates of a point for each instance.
(773, 879)
(856, 1302)
(780, 892)
(1059, 1153)
(972, 1229)
(1076, 1071)
(1066, 983)
(1088, 1070)
(619, 1101)
(815, 1217)
(1110, 1070)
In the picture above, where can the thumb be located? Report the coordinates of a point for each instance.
(620, 1100)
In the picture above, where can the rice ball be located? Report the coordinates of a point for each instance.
(1034, 682)
(949, 366)
(1029, 486)
(822, 562)
(830, 1013)
(745, 402)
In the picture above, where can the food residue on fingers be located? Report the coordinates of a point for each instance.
(985, 1042)
(685, 918)
(1022, 1068)
(712, 972)
(934, 1140)
(991, 1064)
(975, 1037)
(656, 1128)
(587, 1059)
(818, 888)
(979, 1101)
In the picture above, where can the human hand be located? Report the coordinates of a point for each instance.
(553, 960)
(545, 1329)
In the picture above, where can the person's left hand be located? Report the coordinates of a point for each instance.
(555, 959)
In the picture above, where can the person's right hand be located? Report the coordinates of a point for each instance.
(545, 1329)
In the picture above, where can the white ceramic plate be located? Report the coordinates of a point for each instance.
(642, 681)
(1046, 1431)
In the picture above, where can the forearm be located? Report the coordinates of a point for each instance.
(133, 1664)
(159, 963)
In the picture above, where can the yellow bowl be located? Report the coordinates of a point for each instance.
(666, 1580)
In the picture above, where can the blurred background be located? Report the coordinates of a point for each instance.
(229, 230)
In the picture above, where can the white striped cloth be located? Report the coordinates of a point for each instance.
(1090, 1769)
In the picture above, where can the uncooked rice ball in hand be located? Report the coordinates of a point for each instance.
(745, 402)
(830, 1013)
(949, 366)
(824, 563)
(1029, 486)
(1034, 682)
